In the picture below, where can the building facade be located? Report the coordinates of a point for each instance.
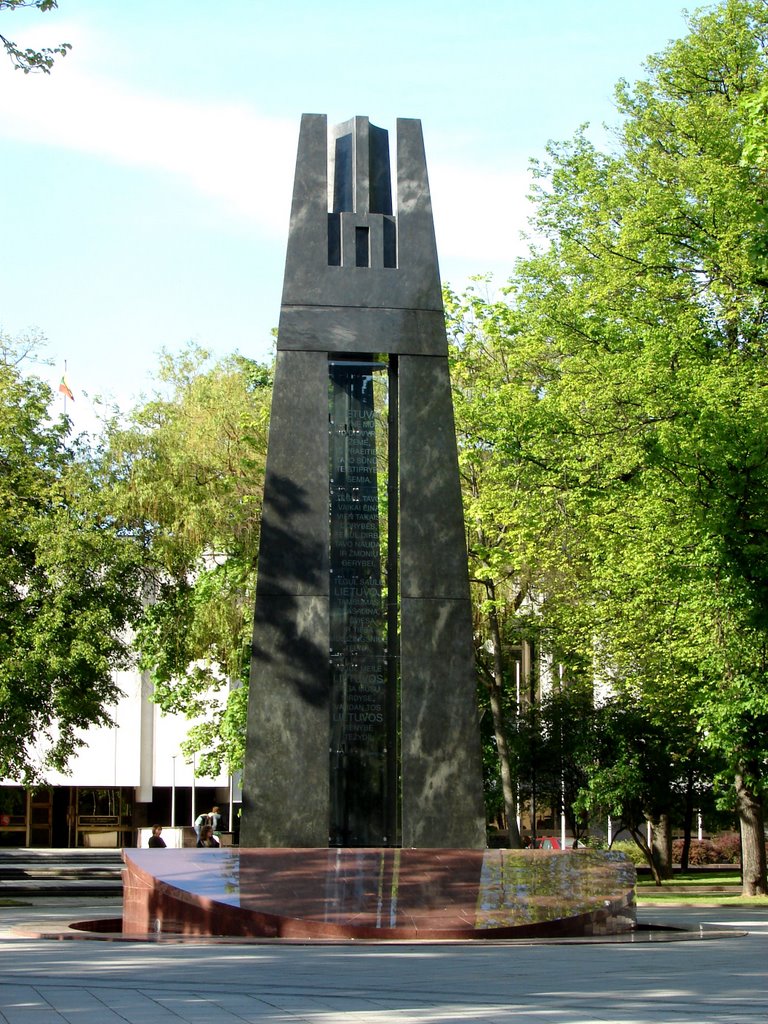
(124, 778)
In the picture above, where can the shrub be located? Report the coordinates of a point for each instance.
(702, 852)
(728, 848)
(632, 850)
(723, 849)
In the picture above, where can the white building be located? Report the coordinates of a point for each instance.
(127, 777)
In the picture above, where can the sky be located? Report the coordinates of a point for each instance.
(147, 179)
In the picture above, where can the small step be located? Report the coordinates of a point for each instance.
(59, 853)
(57, 871)
(26, 872)
(52, 888)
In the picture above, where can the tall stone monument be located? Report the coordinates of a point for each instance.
(362, 721)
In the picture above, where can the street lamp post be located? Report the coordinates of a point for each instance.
(193, 791)
(173, 791)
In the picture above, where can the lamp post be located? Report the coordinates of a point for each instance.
(173, 791)
(193, 792)
(561, 671)
(231, 804)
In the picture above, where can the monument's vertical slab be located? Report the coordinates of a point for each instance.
(286, 800)
(362, 626)
(438, 703)
(362, 807)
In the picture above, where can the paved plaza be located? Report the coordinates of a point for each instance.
(100, 982)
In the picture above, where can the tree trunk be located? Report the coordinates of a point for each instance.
(661, 845)
(639, 838)
(499, 725)
(751, 821)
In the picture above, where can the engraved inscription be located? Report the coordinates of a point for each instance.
(358, 649)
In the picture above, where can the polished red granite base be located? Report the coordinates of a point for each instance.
(377, 893)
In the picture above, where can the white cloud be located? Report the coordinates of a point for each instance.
(225, 151)
(232, 154)
(479, 214)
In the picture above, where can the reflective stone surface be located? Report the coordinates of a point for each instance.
(363, 677)
(378, 893)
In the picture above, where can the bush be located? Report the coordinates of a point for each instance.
(723, 849)
(702, 852)
(728, 847)
(632, 850)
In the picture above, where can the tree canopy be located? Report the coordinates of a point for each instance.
(28, 59)
(615, 398)
(68, 585)
(186, 473)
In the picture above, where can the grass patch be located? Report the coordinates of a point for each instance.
(709, 899)
(4, 902)
(699, 878)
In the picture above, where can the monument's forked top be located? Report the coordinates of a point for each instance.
(350, 247)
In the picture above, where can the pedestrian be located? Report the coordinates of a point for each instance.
(207, 837)
(156, 841)
(212, 818)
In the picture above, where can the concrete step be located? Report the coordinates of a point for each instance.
(59, 856)
(53, 871)
(25, 872)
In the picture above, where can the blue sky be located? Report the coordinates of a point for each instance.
(146, 181)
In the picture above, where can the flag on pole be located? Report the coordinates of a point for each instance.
(64, 388)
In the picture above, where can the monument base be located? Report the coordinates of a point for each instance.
(377, 894)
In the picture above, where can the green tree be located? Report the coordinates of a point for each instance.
(636, 769)
(68, 583)
(28, 59)
(663, 310)
(482, 370)
(528, 550)
(186, 476)
(636, 406)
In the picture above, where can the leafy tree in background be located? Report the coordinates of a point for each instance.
(494, 584)
(186, 476)
(552, 745)
(29, 60)
(664, 312)
(624, 410)
(68, 582)
(518, 541)
(636, 768)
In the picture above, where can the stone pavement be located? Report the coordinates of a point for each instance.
(711, 981)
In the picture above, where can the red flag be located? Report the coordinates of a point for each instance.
(64, 388)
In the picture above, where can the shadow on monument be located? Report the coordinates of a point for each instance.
(290, 580)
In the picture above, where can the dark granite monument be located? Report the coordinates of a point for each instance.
(362, 725)
(362, 721)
